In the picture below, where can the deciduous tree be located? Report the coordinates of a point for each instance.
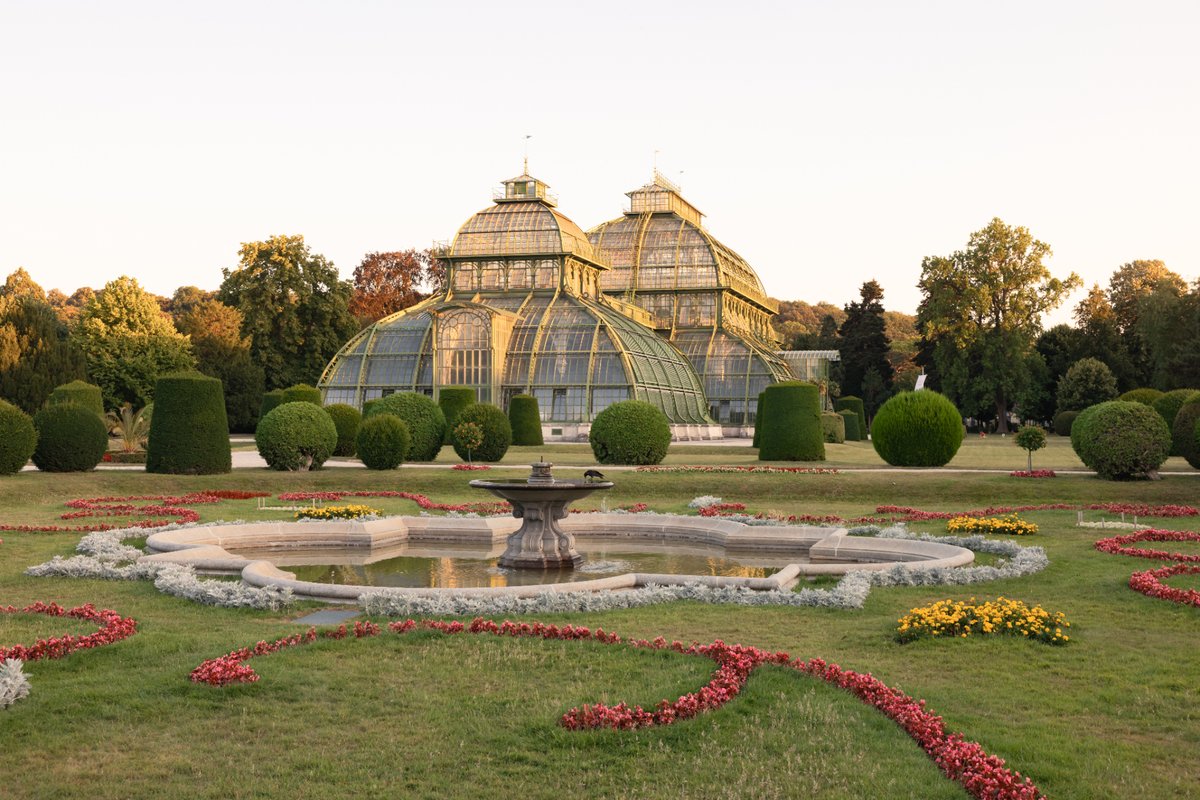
(385, 283)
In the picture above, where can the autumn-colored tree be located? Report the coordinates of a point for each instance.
(184, 299)
(20, 284)
(223, 352)
(68, 307)
(385, 283)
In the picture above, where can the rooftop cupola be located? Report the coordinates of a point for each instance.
(661, 195)
(524, 188)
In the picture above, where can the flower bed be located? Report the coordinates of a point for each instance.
(1037, 473)
(483, 509)
(1011, 525)
(162, 509)
(118, 457)
(731, 468)
(1119, 545)
(113, 628)
(1001, 616)
(1150, 584)
(470, 467)
(982, 775)
(337, 512)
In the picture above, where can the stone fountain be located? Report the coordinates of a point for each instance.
(540, 501)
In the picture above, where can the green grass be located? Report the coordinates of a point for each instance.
(1113, 714)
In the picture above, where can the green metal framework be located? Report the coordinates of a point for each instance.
(701, 296)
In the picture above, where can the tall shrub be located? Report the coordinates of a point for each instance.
(851, 422)
(1144, 396)
(833, 427)
(302, 393)
(382, 442)
(1185, 433)
(497, 432)
(81, 393)
(189, 432)
(270, 401)
(526, 421)
(854, 404)
(1089, 381)
(347, 420)
(917, 429)
(630, 432)
(70, 438)
(452, 400)
(1169, 404)
(791, 426)
(759, 413)
(18, 438)
(426, 422)
(1063, 421)
(296, 437)
(1121, 440)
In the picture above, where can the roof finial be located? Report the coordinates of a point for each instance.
(528, 136)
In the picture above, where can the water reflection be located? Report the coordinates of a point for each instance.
(445, 566)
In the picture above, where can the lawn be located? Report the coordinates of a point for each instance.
(1112, 714)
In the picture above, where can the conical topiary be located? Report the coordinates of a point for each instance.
(791, 428)
(526, 420)
(189, 432)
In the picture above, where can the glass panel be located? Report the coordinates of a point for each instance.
(464, 348)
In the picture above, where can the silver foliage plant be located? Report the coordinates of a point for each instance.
(704, 501)
(850, 592)
(104, 555)
(13, 683)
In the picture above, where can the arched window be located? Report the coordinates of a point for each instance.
(464, 350)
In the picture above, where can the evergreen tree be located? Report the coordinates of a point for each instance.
(36, 353)
(864, 344)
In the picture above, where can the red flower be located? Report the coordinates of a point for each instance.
(113, 628)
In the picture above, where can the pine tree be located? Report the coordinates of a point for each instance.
(864, 342)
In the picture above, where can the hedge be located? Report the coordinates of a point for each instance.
(1169, 404)
(1144, 396)
(760, 411)
(791, 426)
(630, 432)
(296, 437)
(851, 423)
(347, 420)
(18, 438)
(854, 404)
(833, 427)
(302, 393)
(452, 400)
(70, 438)
(497, 432)
(382, 442)
(189, 431)
(526, 420)
(917, 429)
(271, 401)
(426, 422)
(1121, 440)
(1063, 421)
(81, 393)
(1185, 434)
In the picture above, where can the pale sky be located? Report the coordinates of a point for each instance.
(830, 143)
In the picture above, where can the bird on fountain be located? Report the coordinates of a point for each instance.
(593, 475)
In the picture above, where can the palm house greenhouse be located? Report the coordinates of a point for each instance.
(648, 306)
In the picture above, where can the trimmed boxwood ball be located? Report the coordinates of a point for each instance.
(271, 401)
(855, 404)
(1144, 396)
(1169, 404)
(189, 432)
(426, 422)
(917, 429)
(851, 423)
(630, 432)
(383, 442)
(1185, 434)
(347, 421)
(1121, 440)
(760, 412)
(81, 393)
(791, 426)
(833, 426)
(18, 438)
(526, 421)
(497, 432)
(71, 438)
(452, 400)
(302, 393)
(1063, 421)
(296, 437)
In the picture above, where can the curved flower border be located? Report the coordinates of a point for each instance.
(982, 775)
(163, 510)
(1150, 584)
(1118, 545)
(113, 628)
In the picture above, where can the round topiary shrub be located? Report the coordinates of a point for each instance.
(1185, 434)
(382, 442)
(1089, 381)
(760, 411)
(497, 432)
(347, 420)
(367, 406)
(851, 425)
(302, 393)
(791, 426)
(833, 427)
(630, 432)
(526, 421)
(1144, 396)
(1169, 404)
(296, 437)
(1121, 440)
(917, 429)
(452, 400)
(855, 404)
(426, 422)
(271, 401)
(189, 432)
(81, 393)
(1063, 421)
(18, 438)
(71, 438)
